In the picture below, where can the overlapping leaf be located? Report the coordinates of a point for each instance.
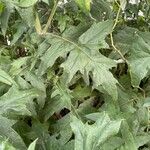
(6, 145)
(137, 45)
(139, 60)
(5, 78)
(84, 57)
(61, 98)
(97, 64)
(15, 101)
(93, 136)
(7, 132)
(27, 3)
(84, 5)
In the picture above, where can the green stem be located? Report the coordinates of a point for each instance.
(111, 36)
(50, 17)
(114, 47)
(117, 17)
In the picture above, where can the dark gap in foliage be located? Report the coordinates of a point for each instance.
(144, 82)
(147, 129)
(71, 87)
(105, 51)
(2, 40)
(85, 98)
(58, 136)
(122, 69)
(59, 115)
(97, 102)
(21, 52)
(56, 116)
(90, 79)
(28, 120)
(142, 147)
(35, 101)
(72, 137)
(64, 112)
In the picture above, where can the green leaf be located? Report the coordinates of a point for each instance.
(139, 60)
(93, 136)
(27, 15)
(5, 78)
(61, 98)
(4, 18)
(94, 38)
(6, 131)
(142, 140)
(27, 3)
(81, 92)
(32, 145)
(86, 108)
(84, 5)
(98, 8)
(136, 44)
(8, 9)
(5, 145)
(82, 58)
(15, 101)
(21, 28)
(54, 51)
(123, 41)
(128, 137)
(37, 83)
(113, 143)
(90, 38)
(18, 65)
(61, 91)
(1, 7)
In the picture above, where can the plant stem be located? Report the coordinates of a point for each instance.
(111, 36)
(50, 17)
(114, 47)
(117, 17)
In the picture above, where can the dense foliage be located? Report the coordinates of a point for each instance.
(74, 75)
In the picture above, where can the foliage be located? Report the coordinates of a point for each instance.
(74, 75)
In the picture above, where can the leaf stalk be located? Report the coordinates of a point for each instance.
(48, 24)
